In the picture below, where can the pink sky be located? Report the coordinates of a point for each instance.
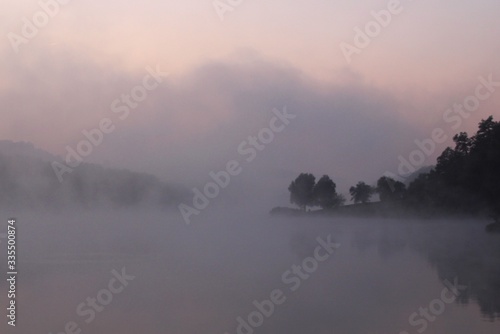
(394, 91)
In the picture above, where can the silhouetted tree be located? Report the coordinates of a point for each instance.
(470, 173)
(301, 191)
(466, 178)
(325, 193)
(390, 189)
(361, 193)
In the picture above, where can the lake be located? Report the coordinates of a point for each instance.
(148, 272)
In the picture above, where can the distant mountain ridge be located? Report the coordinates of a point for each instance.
(28, 181)
(24, 148)
(413, 176)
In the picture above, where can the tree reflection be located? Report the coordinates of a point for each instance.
(461, 250)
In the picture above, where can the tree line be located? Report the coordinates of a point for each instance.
(29, 182)
(465, 180)
(305, 192)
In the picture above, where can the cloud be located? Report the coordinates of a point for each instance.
(193, 122)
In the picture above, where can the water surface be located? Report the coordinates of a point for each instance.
(205, 277)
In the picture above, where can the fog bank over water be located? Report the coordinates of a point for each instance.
(193, 123)
(250, 167)
(202, 277)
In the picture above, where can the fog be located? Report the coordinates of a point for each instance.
(203, 276)
(193, 123)
(249, 167)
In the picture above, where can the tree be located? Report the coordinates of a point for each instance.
(468, 174)
(361, 193)
(390, 189)
(325, 193)
(301, 191)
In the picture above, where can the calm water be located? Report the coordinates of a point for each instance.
(386, 276)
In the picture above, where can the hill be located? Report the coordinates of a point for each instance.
(28, 181)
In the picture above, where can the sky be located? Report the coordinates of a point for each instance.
(228, 69)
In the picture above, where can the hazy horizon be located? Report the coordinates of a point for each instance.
(195, 163)
(226, 76)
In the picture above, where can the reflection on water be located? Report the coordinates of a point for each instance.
(459, 250)
(206, 277)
